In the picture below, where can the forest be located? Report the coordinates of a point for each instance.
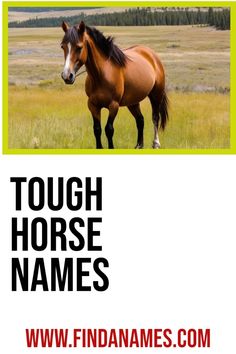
(141, 16)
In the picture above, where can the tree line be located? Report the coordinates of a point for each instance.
(216, 17)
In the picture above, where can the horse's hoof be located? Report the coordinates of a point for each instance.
(156, 145)
(139, 146)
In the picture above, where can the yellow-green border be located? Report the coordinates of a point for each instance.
(231, 150)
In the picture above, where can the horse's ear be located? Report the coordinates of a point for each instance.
(64, 26)
(81, 27)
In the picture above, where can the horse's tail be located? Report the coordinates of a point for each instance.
(163, 111)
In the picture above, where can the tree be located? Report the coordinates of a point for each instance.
(210, 19)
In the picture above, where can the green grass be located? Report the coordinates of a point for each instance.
(45, 113)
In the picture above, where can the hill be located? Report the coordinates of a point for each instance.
(20, 14)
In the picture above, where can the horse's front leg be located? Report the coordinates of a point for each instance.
(96, 113)
(109, 129)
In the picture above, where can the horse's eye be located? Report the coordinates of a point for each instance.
(78, 49)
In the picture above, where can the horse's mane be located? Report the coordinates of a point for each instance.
(105, 44)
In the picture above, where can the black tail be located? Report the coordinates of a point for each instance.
(163, 111)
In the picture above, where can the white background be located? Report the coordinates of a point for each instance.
(168, 232)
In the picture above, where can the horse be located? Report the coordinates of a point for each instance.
(115, 78)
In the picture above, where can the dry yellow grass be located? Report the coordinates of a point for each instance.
(52, 118)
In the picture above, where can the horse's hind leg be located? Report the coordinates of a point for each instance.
(155, 98)
(136, 112)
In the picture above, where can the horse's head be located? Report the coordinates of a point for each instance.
(75, 50)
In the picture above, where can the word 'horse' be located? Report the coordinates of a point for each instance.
(115, 78)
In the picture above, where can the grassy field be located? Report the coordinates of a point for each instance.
(45, 113)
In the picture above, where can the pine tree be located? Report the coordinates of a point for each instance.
(198, 20)
(210, 19)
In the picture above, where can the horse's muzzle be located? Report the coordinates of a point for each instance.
(69, 80)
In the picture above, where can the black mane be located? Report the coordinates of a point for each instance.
(105, 44)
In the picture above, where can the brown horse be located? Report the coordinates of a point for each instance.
(115, 78)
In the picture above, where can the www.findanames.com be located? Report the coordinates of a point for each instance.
(117, 338)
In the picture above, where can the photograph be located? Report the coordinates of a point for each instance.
(154, 79)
